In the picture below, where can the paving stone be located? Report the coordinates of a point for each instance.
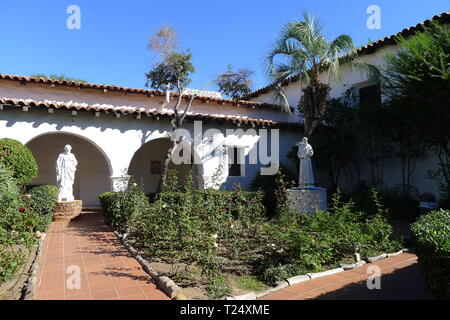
(400, 280)
(106, 270)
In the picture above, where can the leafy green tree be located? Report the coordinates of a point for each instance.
(336, 138)
(375, 144)
(301, 50)
(419, 75)
(237, 84)
(408, 142)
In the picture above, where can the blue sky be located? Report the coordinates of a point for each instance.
(111, 47)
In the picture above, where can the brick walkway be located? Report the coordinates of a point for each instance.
(108, 272)
(400, 279)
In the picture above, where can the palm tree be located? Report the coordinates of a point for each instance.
(303, 52)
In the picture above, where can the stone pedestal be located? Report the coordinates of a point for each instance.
(66, 211)
(307, 199)
(120, 183)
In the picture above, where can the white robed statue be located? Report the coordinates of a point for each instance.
(305, 153)
(66, 165)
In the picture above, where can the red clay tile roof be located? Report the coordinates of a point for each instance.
(22, 79)
(443, 18)
(109, 109)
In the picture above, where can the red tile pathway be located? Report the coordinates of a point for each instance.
(400, 279)
(107, 270)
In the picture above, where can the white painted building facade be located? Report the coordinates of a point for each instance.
(116, 133)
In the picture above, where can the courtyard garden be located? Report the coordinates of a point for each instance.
(216, 243)
(24, 215)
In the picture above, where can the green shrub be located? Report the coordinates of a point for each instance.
(433, 249)
(11, 259)
(43, 199)
(17, 226)
(183, 226)
(269, 185)
(272, 275)
(41, 203)
(19, 159)
(251, 283)
(119, 207)
(219, 287)
(315, 242)
(196, 226)
(396, 205)
(9, 192)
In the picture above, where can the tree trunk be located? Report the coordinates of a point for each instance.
(176, 122)
(312, 104)
(165, 169)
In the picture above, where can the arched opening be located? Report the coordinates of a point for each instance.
(147, 163)
(93, 171)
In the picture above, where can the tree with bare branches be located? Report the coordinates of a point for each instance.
(172, 73)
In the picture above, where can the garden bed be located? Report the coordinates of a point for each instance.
(13, 289)
(235, 278)
(24, 215)
(218, 243)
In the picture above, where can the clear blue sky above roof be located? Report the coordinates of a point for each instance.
(111, 46)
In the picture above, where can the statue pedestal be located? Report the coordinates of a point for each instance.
(307, 199)
(66, 211)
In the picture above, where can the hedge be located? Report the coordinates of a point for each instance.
(43, 199)
(9, 192)
(432, 233)
(17, 226)
(17, 157)
(212, 205)
(42, 202)
(118, 207)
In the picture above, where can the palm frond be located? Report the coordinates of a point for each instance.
(281, 99)
(372, 71)
(342, 45)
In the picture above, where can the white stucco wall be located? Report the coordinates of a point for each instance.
(111, 144)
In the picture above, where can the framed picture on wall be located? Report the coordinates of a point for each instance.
(155, 167)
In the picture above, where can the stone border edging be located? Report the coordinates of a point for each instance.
(165, 283)
(29, 289)
(302, 278)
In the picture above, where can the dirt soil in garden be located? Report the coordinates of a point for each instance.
(192, 284)
(12, 290)
(189, 278)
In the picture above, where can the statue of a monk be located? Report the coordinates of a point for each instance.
(305, 153)
(66, 165)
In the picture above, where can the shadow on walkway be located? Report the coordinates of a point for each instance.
(402, 284)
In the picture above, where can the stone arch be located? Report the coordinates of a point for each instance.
(153, 152)
(94, 167)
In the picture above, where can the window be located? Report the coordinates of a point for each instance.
(370, 96)
(235, 162)
(155, 167)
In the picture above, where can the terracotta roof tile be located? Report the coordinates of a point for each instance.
(243, 103)
(126, 110)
